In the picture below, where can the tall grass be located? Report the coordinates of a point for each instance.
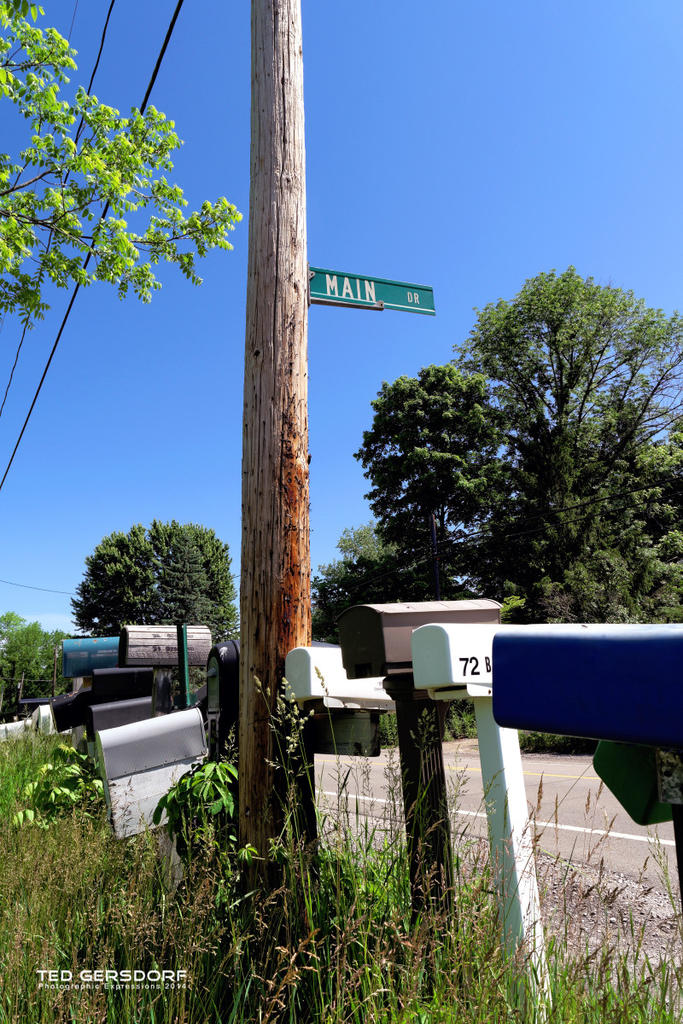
(332, 942)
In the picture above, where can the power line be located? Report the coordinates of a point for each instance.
(97, 61)
(444, 547)
(46, 590)
(14, 366)
(73, 19)
(143, 105)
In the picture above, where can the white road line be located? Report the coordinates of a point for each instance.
(539, 824)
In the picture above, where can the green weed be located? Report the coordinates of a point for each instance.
(333, 942)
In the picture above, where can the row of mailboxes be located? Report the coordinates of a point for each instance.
(141, 743)
(616, 683)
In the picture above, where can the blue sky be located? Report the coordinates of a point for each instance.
(464, 146)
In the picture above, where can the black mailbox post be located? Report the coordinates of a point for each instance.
(375, 641)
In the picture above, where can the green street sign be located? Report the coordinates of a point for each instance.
(334, 288)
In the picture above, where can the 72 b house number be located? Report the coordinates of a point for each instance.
(470, 666)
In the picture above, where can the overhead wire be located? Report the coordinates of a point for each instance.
(45, 590)
(446, 547)
(150, 86)
(441, 547)
(73, 19)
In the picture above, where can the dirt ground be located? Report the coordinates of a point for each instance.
(591, 907)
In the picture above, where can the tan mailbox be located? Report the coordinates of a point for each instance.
(156, 646)
(375, 638)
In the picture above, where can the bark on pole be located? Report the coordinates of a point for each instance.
(275, 613)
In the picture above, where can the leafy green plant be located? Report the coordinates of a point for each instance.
(201, 807)
(66, 781)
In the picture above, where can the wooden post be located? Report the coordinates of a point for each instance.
(420, 724)
(275, 612)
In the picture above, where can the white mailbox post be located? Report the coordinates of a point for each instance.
(452, 662)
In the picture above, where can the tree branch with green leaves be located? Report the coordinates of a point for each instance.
(89, 186)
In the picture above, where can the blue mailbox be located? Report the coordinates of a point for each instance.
(81, 656)
(610, 682)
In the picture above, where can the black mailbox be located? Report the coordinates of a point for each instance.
(108, 684)
(375, 638)
(68, 709)
(121, 683)
(223, 680)
(116, 712)
(162, 701)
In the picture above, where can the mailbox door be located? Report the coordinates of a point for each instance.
(610, 682)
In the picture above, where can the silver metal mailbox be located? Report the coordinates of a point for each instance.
(140, 762)
(41, 719)
(11, 730)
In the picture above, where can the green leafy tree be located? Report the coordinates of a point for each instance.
(82, 174)
(29, 650)
(154, 575)
(432, 450)
(369, 571)
(587, 380)
(550, 456)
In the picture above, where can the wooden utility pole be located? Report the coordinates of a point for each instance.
(275, 612)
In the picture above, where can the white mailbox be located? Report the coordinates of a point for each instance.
(317, 673)
(345, 711)
(13, 729)
(140, 762)
(456, 660)
(41, 719)
(453, 661)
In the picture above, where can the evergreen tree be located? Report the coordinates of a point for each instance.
(154, 575)
(183, 584)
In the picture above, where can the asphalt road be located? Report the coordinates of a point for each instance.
(575, 817)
